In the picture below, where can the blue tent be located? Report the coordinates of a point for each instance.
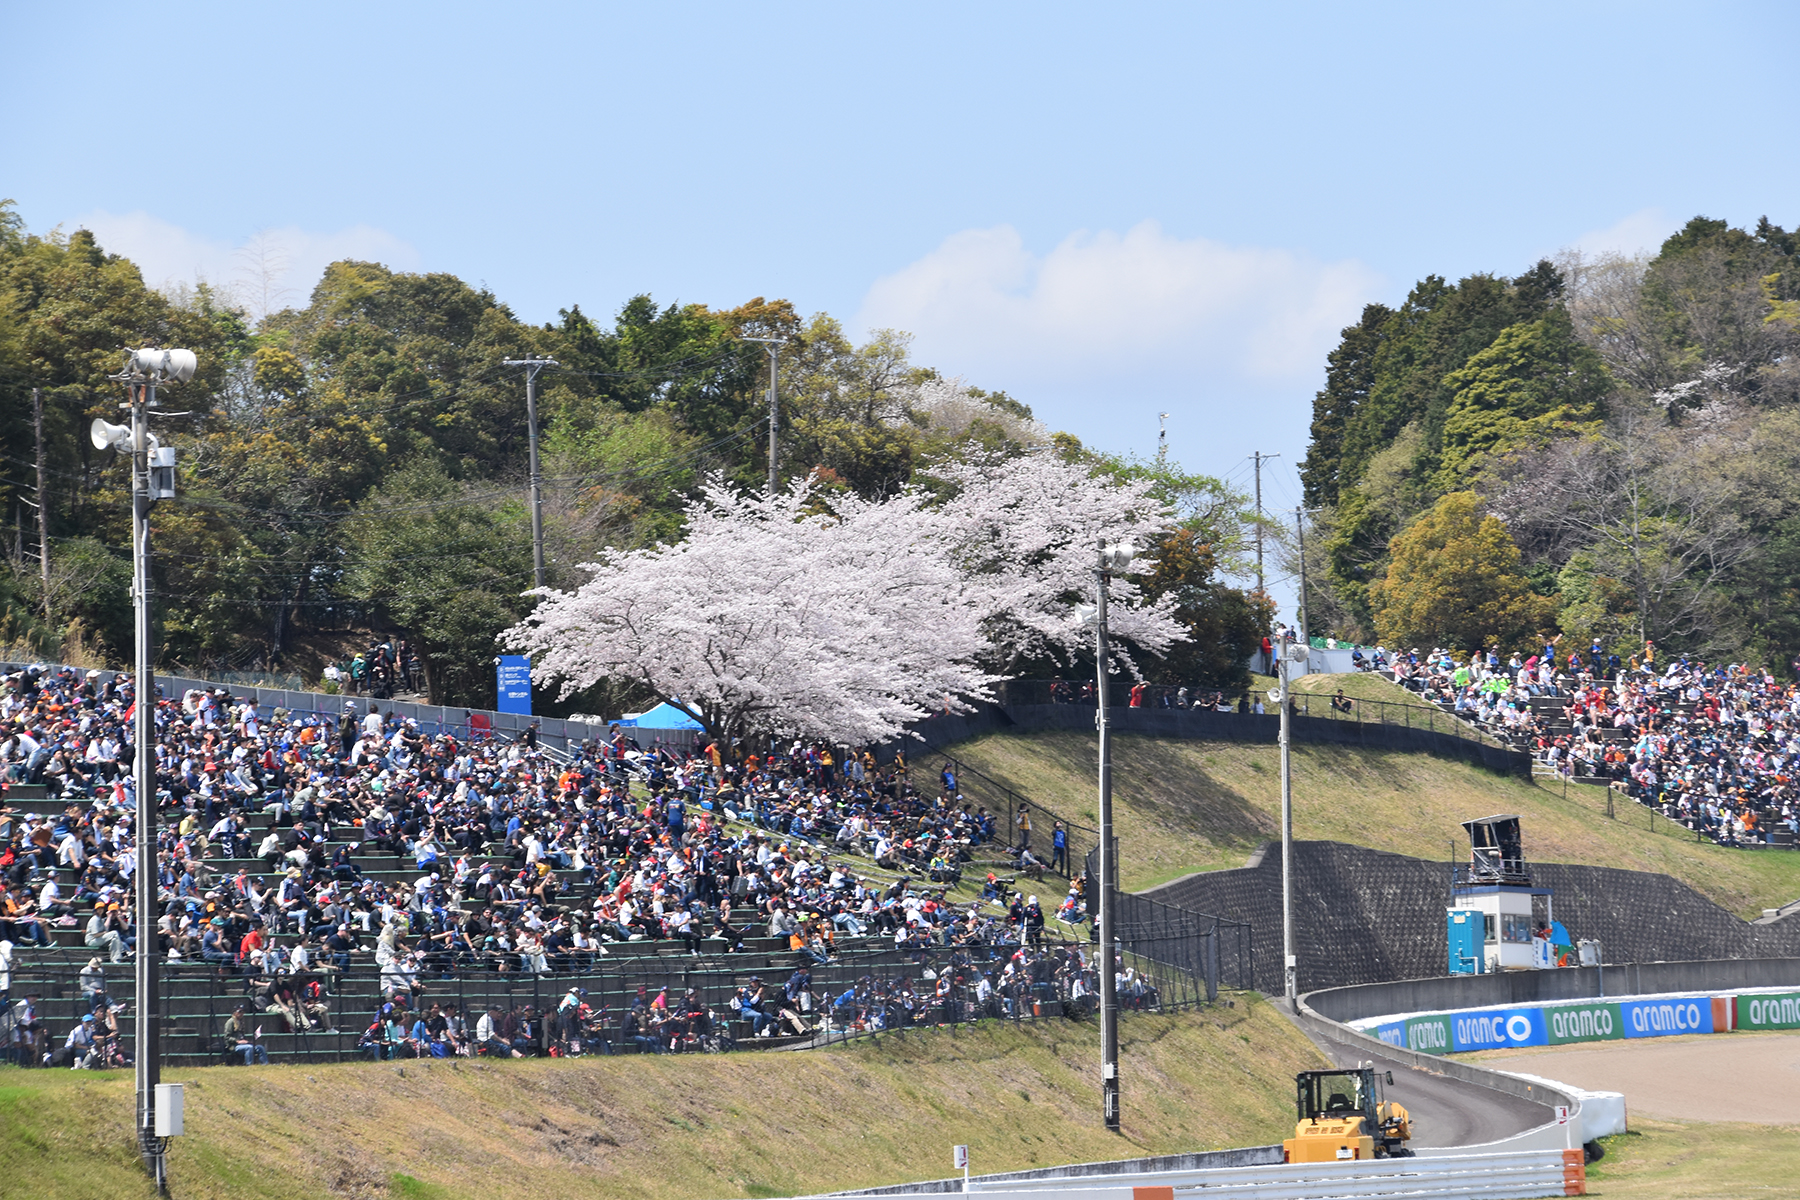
(663, 716)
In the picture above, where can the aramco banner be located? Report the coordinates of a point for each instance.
(1584, 1021)
(1780, 1011)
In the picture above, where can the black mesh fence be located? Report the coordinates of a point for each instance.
(1186, 955)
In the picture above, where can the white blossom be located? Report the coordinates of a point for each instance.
(1028, 532)
(835, 616)
(773, 618)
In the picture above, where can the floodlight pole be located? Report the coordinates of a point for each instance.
(1109, 982)
(773, 346)
(148, 1047)
(143, 371)
(532, 366)
(1289, 970)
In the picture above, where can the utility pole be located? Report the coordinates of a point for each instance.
(37, 421)
(1261, 458)
(532, 366)
(773, 346)
(1305, 621)
(1162, 438)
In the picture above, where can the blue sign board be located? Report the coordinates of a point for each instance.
(1490, 1030)
(1666, 1017)
(515, 684)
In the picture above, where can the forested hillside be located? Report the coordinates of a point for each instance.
(358, 464)
(1604, 448)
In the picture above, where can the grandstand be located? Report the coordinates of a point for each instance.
(588, 907)
(1708, 746)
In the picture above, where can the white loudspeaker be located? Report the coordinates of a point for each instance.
(167, 366)
(106, 435)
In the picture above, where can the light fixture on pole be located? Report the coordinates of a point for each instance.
(773, 346)
(152, 479)
(1290, 652)
(532, 366)
(1115, 556)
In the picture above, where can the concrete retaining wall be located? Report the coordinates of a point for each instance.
(1364, 916)
(1541, 987)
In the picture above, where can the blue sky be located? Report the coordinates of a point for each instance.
(1109, 211)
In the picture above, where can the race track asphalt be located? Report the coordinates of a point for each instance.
(1445, 1112)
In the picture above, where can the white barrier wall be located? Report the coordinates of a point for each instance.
(1517, 1175)
(1563, 1022)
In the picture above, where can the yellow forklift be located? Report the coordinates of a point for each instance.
(1343, 1117)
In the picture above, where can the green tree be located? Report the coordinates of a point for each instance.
(1349, 375)
(1437, 331)
(446, 566)
(1226, 625)
(1453, 580)
(1594, 605)
(1535, 381)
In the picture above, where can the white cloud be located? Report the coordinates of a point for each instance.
(1640, 233)
(1109, 305)
(294, 258)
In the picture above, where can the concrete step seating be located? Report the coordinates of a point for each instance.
(197, 998)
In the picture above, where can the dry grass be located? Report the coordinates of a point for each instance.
(692, 1126)
(1185, 806)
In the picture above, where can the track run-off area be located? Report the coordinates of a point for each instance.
(1747, 1077)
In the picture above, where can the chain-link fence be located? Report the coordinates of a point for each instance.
(1183, 957)
(1007, 806)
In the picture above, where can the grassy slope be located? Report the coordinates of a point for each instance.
(1197, 806)
(1692, 1160)
(690, 1126)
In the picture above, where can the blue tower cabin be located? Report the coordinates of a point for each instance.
(1496, 920)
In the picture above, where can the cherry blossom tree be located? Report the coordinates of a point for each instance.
(1027, 532)
(834, 616)
(774, 616)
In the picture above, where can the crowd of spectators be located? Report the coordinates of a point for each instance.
(385, 669)
(1148, 695)
(281, 835)
(1713, 746)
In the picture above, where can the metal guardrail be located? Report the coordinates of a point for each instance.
(1525, 1173)
(1422, 716)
